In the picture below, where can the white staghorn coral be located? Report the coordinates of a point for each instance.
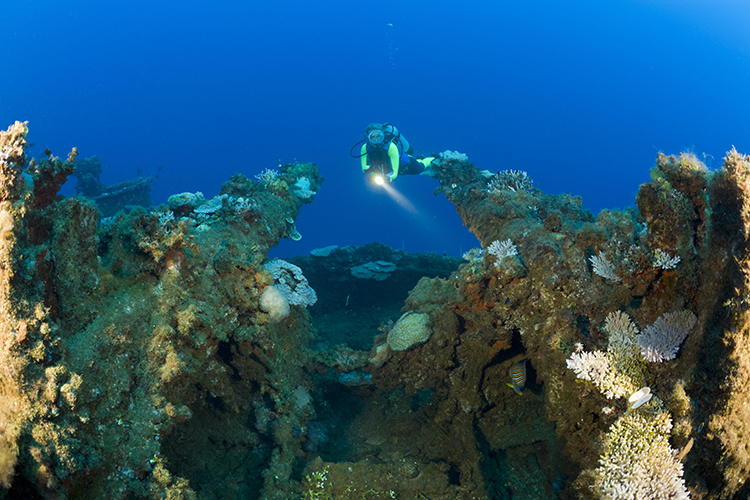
(638, 461)
(603, 267)
(619, 371)
(621, 332)
(268, 176)
(662, 260)
(624, 357)
(473, 255)
(591, 366)
(501, 250)
(596, 367)
(510, 180)
(661, 341)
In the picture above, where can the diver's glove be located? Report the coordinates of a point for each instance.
(392, 176)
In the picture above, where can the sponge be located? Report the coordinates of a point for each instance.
(274, 302)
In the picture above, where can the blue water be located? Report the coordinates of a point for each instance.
(580, 94)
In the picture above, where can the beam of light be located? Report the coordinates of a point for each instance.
(396, 196)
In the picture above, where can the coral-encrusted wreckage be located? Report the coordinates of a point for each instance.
(160, 354)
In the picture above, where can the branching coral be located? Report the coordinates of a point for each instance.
(510, 180)
(638, 461)
(603, 267)
(501, 250)
(619, 371)
(661, 341)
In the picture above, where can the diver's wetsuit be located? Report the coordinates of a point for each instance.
(394, 155)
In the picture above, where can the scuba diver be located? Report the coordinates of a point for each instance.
(387, 153)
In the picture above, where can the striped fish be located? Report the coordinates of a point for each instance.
(518, 376)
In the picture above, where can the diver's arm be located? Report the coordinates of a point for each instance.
(363, 157)
(395, 157)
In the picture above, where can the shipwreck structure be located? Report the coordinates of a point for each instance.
(159, 354)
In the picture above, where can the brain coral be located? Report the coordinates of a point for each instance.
(411, 328)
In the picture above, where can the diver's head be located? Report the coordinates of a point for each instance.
(374, 134)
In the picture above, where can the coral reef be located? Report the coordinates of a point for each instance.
(159, 354)
(134, 351)
(687, 215)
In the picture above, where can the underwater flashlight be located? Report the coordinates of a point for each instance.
(376, 179)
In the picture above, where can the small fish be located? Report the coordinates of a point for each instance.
(518, 376)
(347, 301)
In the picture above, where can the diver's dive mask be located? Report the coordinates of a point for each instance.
(375, 137)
